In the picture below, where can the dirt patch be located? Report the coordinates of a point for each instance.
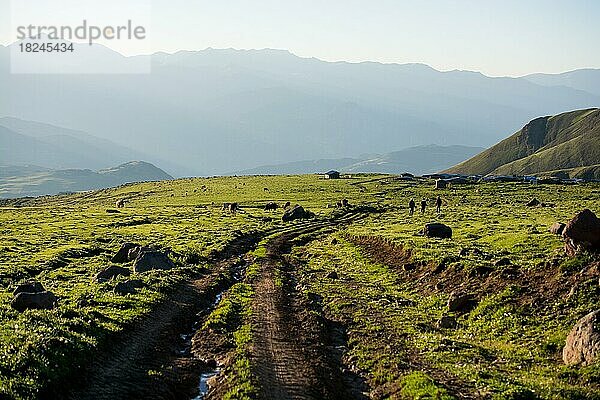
(540, 289)
(384, 251)
(297, 353)
(540, 286)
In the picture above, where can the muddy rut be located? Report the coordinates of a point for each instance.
(288, 357)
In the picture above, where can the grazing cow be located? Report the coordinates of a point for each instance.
(233, 208)
(271, 206)
(120, 203)
(266, 189)
(343, 203)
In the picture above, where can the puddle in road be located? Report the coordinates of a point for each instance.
(203, 385)
(238, 275)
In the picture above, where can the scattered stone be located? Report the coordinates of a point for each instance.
(510, 272)
(111, 272)
(533, 203)
(459, 301)
(439, 286)
(29, 287)
(582, 232)
(502, 262)
(447, 322)
(583, 342)
(332, 275)
(441, 184)
(481, 270)
(463, 252)
(444, 263)
(147, 261)
(297, 212)
(128, 287)
(121, 255)
(557, 228)
(409, 267)
(40, 301)
(437, 230)
(134, 252)
(334, 241)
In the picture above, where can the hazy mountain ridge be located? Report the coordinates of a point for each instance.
(417, 160)
(228, 110)
(583, 79)
(20, 181)
(34, 143)
(568, 143)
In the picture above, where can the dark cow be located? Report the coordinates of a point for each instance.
(271, 206)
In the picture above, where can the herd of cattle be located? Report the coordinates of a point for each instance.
(234, 207)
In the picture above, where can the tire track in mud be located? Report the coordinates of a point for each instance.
(121, 372)
(283, 370)
(288, 356)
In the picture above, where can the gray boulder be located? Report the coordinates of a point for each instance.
(557, 228)
(297, 212)
(447, 322)
(150, 260)
(122, 254)
(582, 232)
(461, 302)
(111, 272)
(332, 275)
(583, 342)
(29, 287)
(437, 230)
(137, 250)
(533, 203)
(128, 287)
(39, 301)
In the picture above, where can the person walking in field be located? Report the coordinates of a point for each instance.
(411, 207)
(438, 204)
(423, 206)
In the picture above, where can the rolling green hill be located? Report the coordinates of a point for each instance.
(567, 144)
(18, 181)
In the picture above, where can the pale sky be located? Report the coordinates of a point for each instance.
(497, 38)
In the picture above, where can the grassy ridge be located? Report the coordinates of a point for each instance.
(561, 142)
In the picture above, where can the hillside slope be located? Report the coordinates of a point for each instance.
(567, 142)
(17, 181)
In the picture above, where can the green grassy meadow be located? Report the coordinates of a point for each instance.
(508, 347)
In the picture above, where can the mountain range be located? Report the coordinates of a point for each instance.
(216, 111)
(416, 160)
(27, 142)
(20, 181)
(567, 145)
